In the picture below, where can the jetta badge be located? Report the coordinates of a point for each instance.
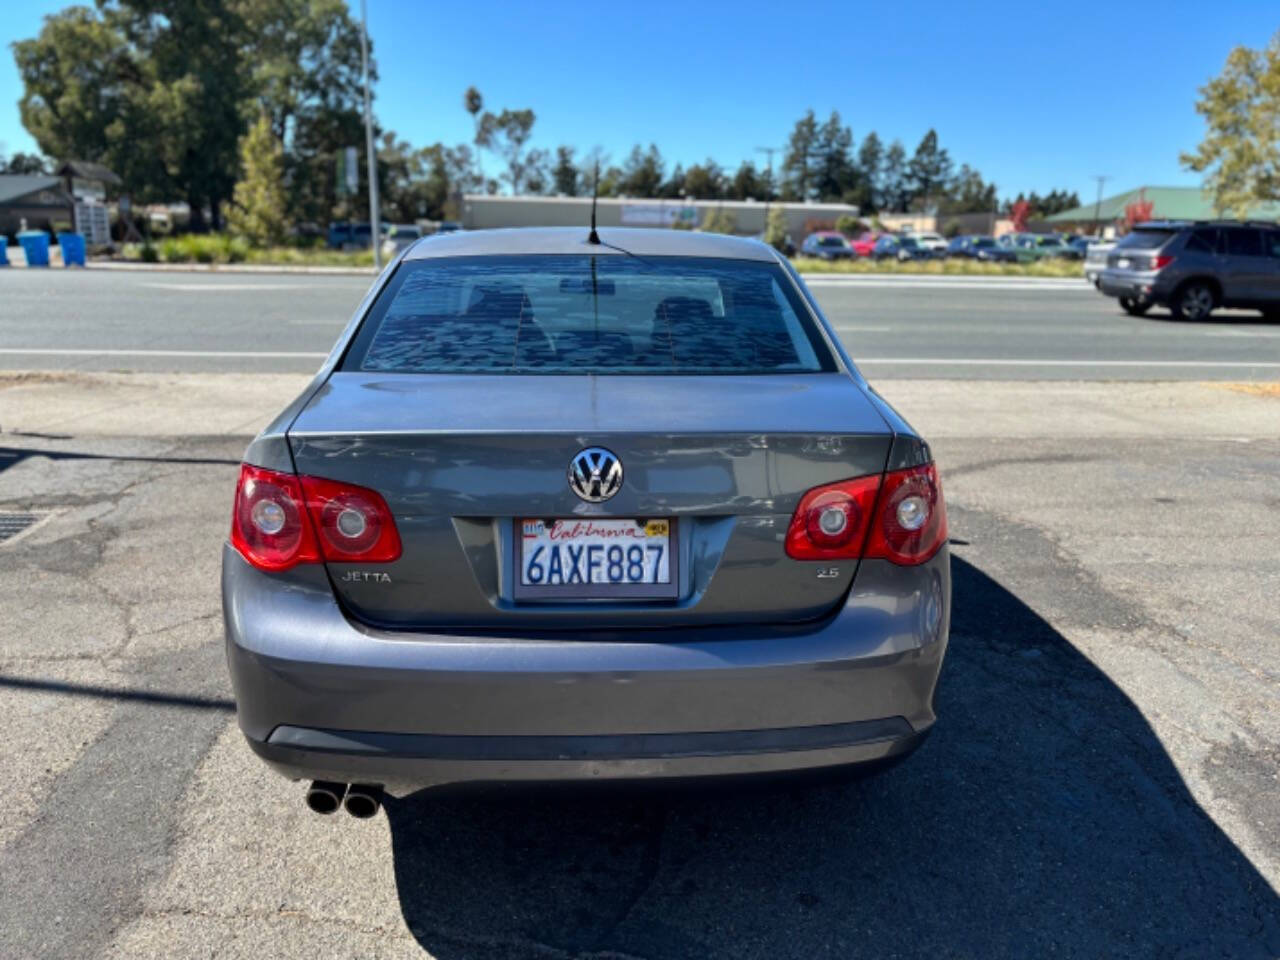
(595, 474)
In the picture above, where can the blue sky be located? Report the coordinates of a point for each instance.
(1035, 95)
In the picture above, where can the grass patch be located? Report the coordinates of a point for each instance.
(968, 268)
(221, 248)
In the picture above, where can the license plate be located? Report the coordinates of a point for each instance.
(595, 558)
(1123, 263)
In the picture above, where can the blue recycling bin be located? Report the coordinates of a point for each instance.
(35, 244)
(4, 257)
(72, 245)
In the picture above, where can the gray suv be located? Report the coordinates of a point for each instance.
(1193, 268)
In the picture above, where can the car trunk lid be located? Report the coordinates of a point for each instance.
(462, 459)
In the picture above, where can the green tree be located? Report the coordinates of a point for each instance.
(969, 193)
(564, 175)
(834, 173)
(507, 134)
(894, 187)
(21, 163)
(799, 161)
(258, 212)
(705, 181)
(642, 172)
(719, 220)
(748, 183)
(673, 186)
(473, 103)
(870, 163)
(929, 172)
(306, 74)
(1240, 154)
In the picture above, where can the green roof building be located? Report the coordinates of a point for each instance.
(1168, 203)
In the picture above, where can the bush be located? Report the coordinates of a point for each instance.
(850, 226)
(775, 229)
(719, 220)
(952, 228)
(148, 253)
(171, 251)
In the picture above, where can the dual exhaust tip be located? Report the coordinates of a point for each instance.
(361, 800)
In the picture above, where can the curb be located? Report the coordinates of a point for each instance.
(232, 268)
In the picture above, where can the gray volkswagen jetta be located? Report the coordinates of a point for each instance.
(571, 507)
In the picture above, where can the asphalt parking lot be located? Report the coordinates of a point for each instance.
(1104, 780)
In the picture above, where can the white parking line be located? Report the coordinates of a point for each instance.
(238, 354)
(1006, 362)
(898, 361)
(950, 283)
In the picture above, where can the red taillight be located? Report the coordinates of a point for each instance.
(1160, 262)
(903, 519)
(268, 523)
(272, 530)
(830, 523)
(354, 523)
(911, 516)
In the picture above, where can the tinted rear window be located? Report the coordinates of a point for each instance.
(1146, 239)
(1243, 242)
(584, 314)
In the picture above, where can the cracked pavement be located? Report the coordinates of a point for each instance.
(1103, 780)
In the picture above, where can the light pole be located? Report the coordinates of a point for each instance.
(1097, 206)
(375, 226)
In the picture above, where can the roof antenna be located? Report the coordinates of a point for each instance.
(594, 237)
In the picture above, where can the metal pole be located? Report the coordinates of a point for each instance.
(1097, 206)
(375, 226)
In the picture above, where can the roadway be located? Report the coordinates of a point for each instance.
(895, 327)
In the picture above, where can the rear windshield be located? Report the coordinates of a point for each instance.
(1145, 239)
(831, 241)
(588, 314)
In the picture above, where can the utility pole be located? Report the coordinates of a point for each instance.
(768, 194)
(1097, 206)
(375, 226)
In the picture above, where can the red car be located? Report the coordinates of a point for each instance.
(863, 245)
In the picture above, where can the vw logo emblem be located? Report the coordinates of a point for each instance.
(595, 474)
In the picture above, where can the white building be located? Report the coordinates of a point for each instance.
(481, 211)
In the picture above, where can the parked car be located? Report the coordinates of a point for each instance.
(980, 247)
(1030, 247)
(900, 248)
(448, 226)
(1194, 268)
(1056, 245)
(827, 245)
(617, 567)
(344, 235)
(865, 243)
(398, 236)
(1095, 258)
(930, 241)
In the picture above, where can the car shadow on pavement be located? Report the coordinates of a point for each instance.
(1042, 818)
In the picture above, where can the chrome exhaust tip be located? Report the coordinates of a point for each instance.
(324, 796)
(363, 800)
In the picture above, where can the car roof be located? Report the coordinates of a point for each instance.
(615, 241)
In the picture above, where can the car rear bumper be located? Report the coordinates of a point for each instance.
(1130, 284)
(321, 696)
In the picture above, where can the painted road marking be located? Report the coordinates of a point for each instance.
(219, 287)
(237, 354)
(1005, 362)
(921, 361)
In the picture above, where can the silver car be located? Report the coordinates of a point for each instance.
(564, 510)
